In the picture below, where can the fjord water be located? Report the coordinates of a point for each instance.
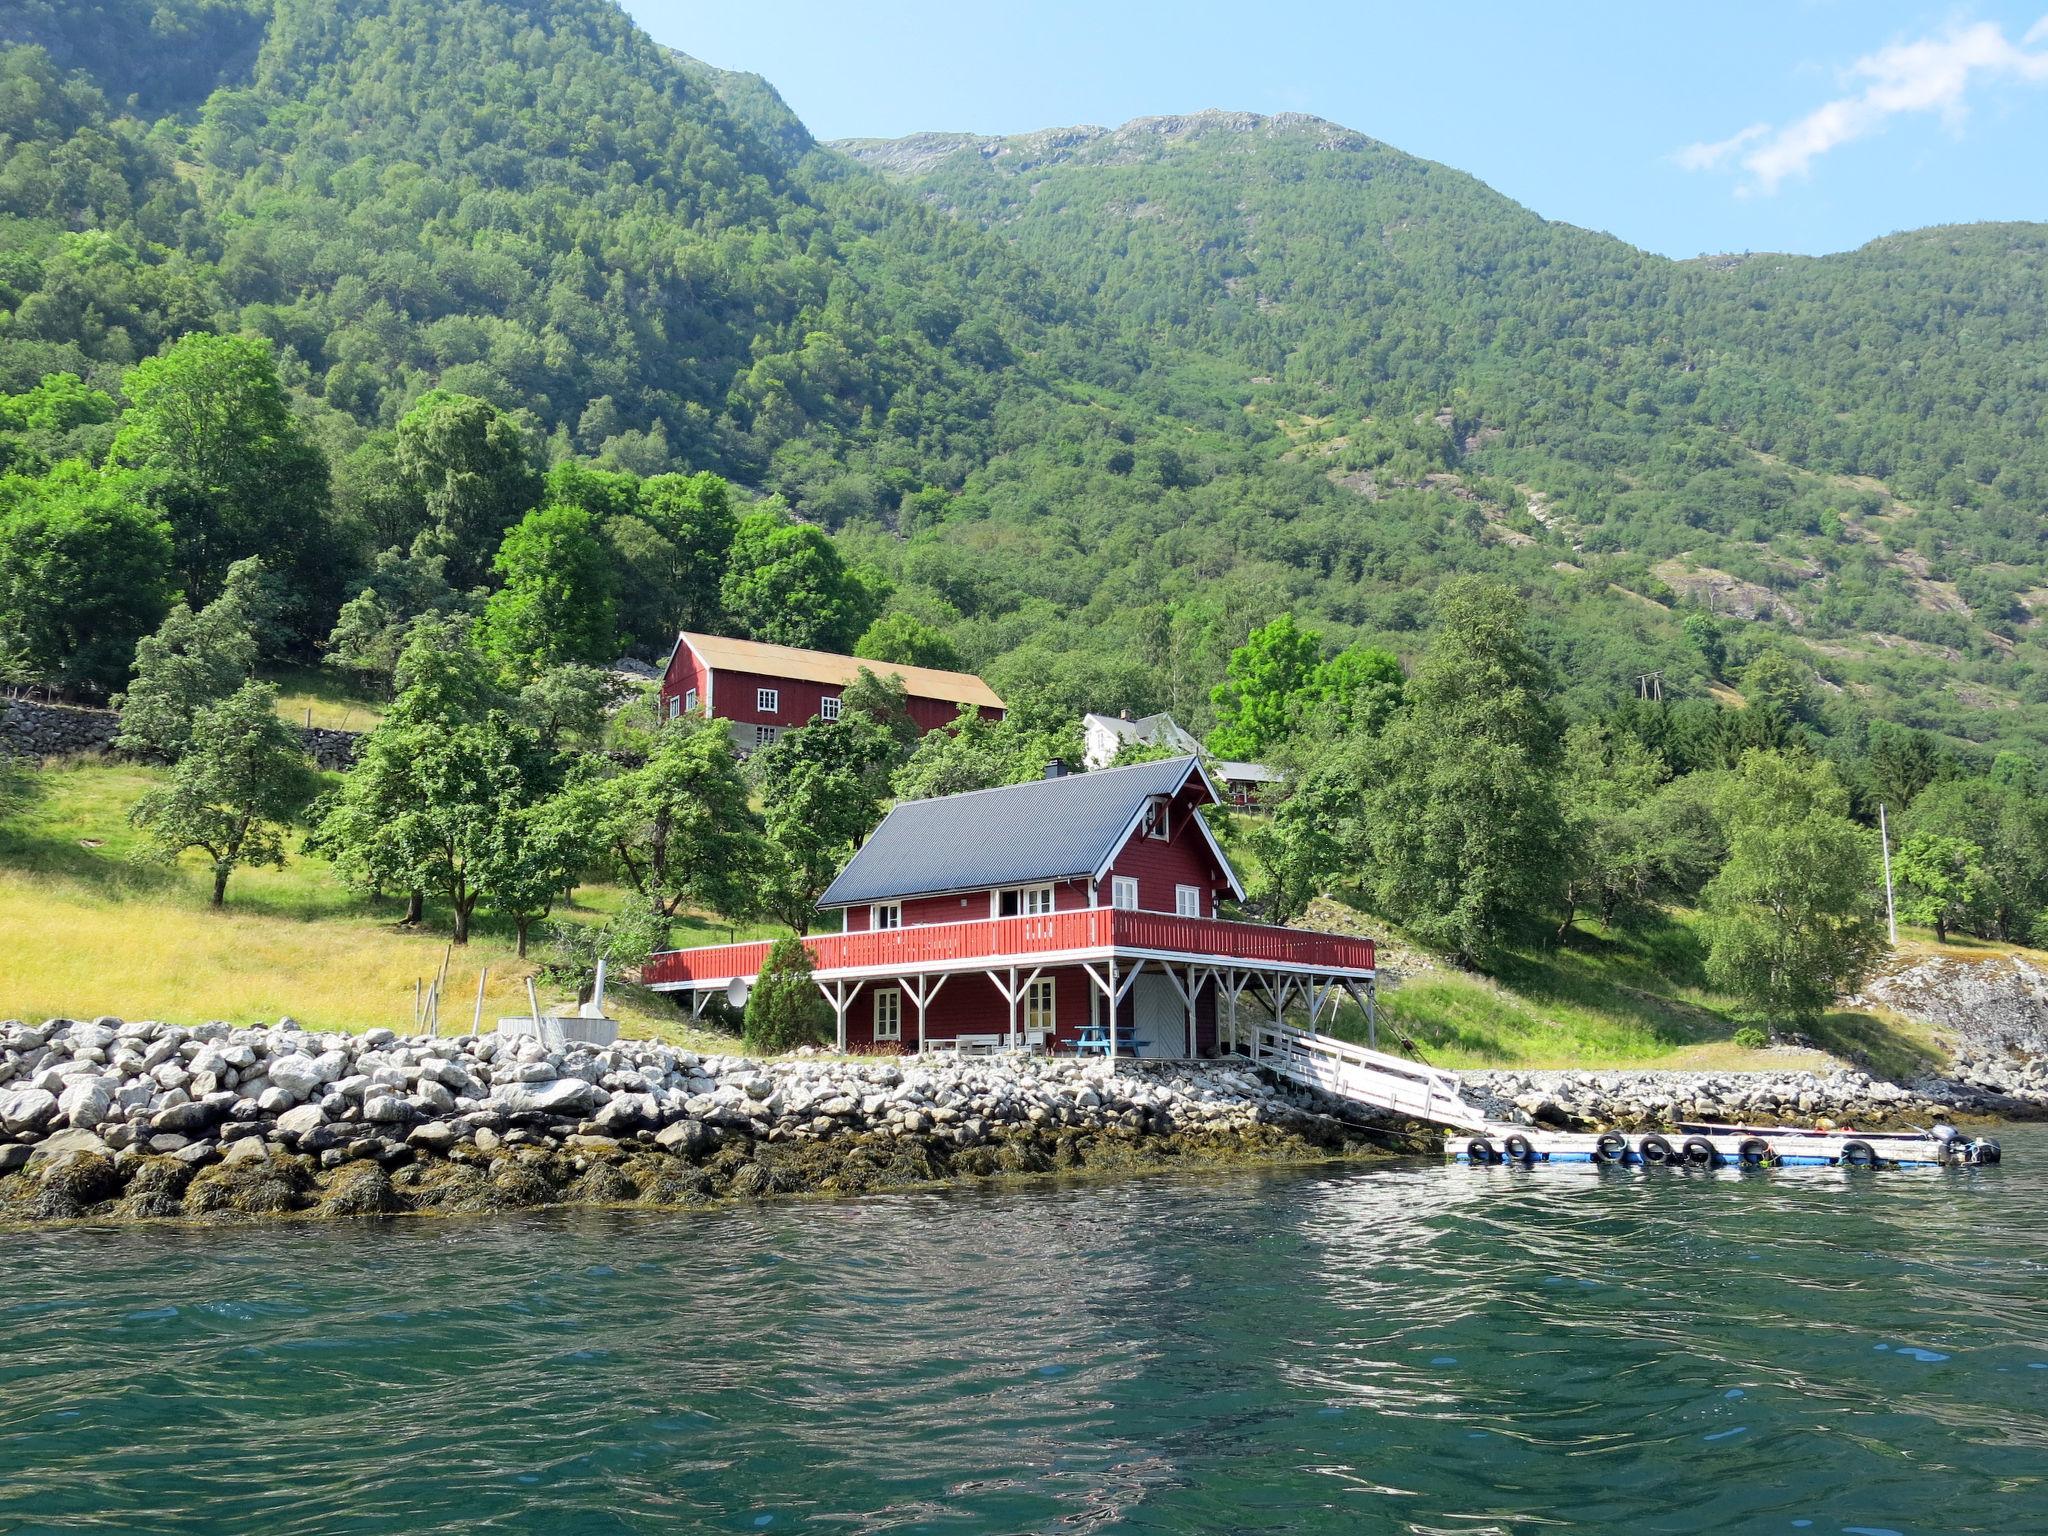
(1404, 1348)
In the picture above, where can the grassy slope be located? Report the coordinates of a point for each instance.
(87, 927)
(1601, 999)
(316, 696)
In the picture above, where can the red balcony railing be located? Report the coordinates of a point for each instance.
(1024, 939)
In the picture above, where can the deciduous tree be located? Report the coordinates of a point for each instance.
(233, 792)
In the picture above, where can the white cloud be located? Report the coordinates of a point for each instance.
(1930, 74)
(1711, 157)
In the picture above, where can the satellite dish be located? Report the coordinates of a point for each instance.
(736, 991)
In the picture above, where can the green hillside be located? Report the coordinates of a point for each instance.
(1851, 446)
(1091, 403)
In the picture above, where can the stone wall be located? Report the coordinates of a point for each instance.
(32, 729)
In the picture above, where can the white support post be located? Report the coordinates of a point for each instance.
(1115, 999)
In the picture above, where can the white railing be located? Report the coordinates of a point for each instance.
(1364, 1076)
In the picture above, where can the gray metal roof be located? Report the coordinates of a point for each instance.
(1045, 829)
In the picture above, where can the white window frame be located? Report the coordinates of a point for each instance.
(767, 735)
(888, 1013)
(1158, 809)
(675, 706)
(1123, 892)
(768, 701)
(1032, 900)
(690, 702)
(892, 910)
(1041, 1008)
(828, 707)
(1187, 901)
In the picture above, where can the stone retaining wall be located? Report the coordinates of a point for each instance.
(30, 728)
(109, 1118)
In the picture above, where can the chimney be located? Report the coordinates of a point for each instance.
(1123, 714)
(1055, 769)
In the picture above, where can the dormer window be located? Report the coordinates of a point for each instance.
(1157, 823)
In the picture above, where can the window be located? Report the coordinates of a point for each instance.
(1025, 901)
(1123, 892)
(1187, 900)
(885, 914)
(1156, 824)
(828, 707)
(889, 1014)
(767, 735)
(675, 706)
(690, 702)
(768, 700)
(1040, 1011)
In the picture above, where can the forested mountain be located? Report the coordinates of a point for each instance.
(1853, 443)
(1091, 404)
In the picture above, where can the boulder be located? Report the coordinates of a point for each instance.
(564, 1096)
(27, 1111)
(299, 1121)
(88, 1102)
(299, 1076)
(434, 1136)
(62, 1144)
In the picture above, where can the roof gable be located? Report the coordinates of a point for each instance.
(1045, 829)
(724, 654)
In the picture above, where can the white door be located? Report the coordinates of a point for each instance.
(1162, 1018)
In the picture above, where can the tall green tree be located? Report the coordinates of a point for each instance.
(435, 786)
(556, 603)
(84, 574)
(234, 792)
(1259, 703)
(1942, 883)
(1358, 689)
(193, 661)
(1791, 919)
(786, 583)
(909, 642)
(472, 468)
(678, 825)
(1462, 819)
(210, 429)
(2008, 823)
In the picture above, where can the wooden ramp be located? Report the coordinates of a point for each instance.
(1370, 1079)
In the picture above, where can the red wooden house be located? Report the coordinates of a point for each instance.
(765, 689)
(1034, 914)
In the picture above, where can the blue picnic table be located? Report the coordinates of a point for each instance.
(1095, 1038)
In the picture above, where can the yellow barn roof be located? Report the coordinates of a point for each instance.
(727, 655)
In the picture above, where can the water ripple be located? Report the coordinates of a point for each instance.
(1409, 1349)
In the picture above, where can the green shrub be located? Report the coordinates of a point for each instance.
(1750, 1038)
(785, 1009)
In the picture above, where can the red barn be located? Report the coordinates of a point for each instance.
(765, 689)
(1032, 915)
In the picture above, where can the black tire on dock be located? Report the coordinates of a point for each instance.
(1612, 1147)
(1755, 1152)
(1655, 1151)
(1519, 1149)
(1479, 1150)
(1858, 1154)
(1699, 1152)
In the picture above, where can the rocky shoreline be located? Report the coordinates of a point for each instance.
(1635, 1100)
(107, 1119)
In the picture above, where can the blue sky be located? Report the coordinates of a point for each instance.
(1800, 125)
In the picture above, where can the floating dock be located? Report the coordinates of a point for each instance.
(1417, 1091)
(1723, 1146)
